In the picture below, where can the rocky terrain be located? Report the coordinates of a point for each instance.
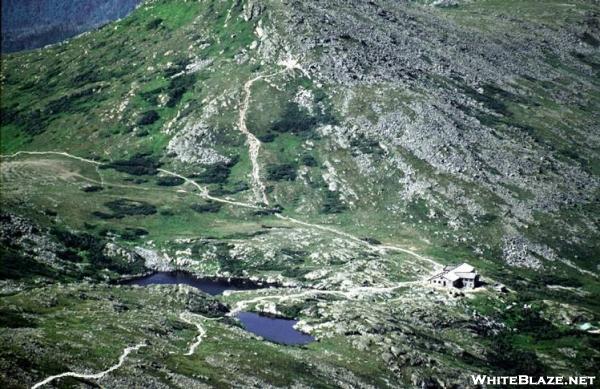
(339, 153)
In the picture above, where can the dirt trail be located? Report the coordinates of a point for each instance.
(254, 144)
(380, 248)
(348, 294)
(95, 376)
(204, 192)
(260, 194)
(186, 317)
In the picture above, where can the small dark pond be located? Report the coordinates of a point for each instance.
(270, 328)
(274, 329)
(213, 286)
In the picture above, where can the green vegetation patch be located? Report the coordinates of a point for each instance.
(178, 86)
(282, 172)
(127, 207)
(217, 173)
(295, 119)
(208, 207)
(137, 165)
(332, 203)
(233, 188)
(148, 117)
(169, 181)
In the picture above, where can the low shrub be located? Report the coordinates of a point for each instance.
(236, 187)
(215, 174)
(151, 96)
(281, 172)
(512, 360)
(12, 319)
(138, 165)
(332, 203)
(295, 120)
(71, 102)
(177, 88)
(295, 272)
(177, 67)
(169, 181)
(105, 215)
(69, 255)
(209, 207)
(268, 211)
(127, 207)
(308, 160)
(366, 145)
(148, 117)
(92, 188)
(369, 240)
(82, 241)
(153, 24)
(555, 279)
(30, 122)
(133, 233)
(267, 138)
(86, 77)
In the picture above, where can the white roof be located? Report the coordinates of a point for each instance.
(464, 268)
(451, 276)
(461, 271)
(466, 275)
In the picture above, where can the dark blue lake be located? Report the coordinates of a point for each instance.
(213, 286)
(27, 24)
(273, 329)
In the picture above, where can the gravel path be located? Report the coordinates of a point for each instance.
(94, 376)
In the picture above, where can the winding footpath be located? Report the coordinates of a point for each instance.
(186, 317)
(204, 194)
(258, 185)
(203, 191)
(95, 376)
(379, 248)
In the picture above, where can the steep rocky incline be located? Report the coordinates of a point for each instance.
(495, 106)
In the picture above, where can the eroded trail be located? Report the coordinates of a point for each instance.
(258, 187)
(94, 376)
